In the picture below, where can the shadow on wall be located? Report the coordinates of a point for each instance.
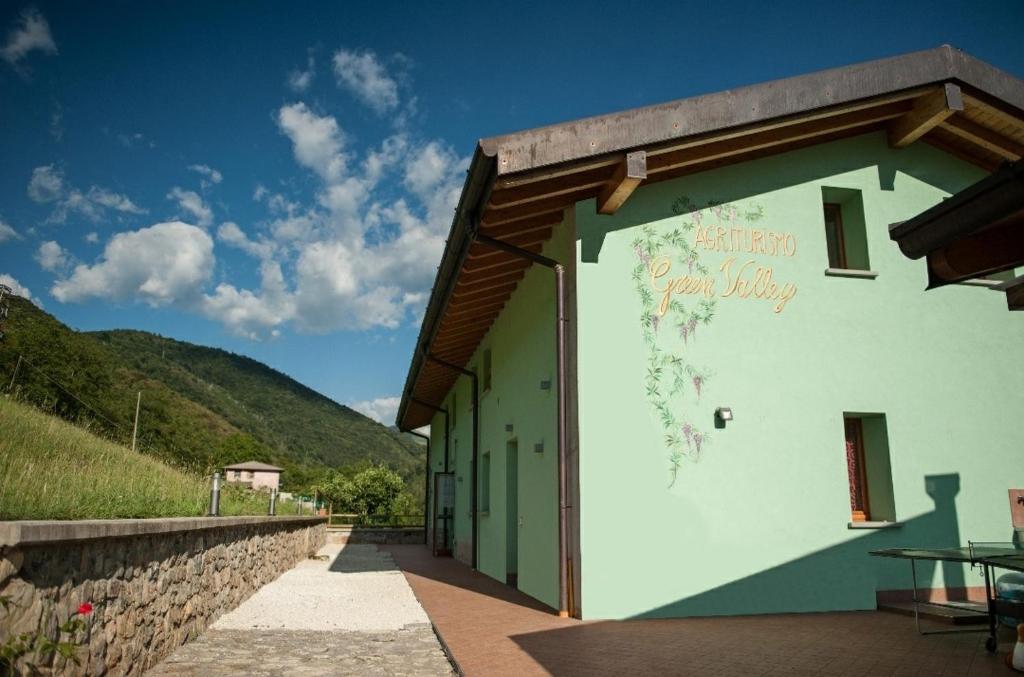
(843, 576)
(776, 173)
(706, 645)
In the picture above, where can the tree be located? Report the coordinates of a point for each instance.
(373, 491)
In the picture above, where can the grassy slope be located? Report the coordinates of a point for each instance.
(51, 469)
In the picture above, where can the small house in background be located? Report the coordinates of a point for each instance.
(254, 475)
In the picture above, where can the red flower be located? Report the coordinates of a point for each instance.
(85, 609)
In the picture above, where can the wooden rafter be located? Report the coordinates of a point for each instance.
(984, 137)
(929, 111)
(627, 177)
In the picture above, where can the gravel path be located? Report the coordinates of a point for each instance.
(350, 613)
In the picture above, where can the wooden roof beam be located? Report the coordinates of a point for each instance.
(983, 136)
(627, 177)
(928, 113)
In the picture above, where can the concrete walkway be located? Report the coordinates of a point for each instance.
(349, 613)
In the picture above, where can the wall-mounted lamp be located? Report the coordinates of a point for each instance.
(723, 414)
(539, 447)
(545, 385)
(508, 427)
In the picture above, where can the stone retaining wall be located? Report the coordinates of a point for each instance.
(154, 583)
(376, 535)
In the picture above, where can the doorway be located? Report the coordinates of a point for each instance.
(512, 521)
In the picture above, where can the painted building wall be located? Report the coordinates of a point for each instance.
(522, 343)
(755, 516)
(255, 479)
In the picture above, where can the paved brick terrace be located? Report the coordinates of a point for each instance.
(493, 630)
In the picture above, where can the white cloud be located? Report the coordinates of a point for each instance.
(46, 184)
(192, 203)
(428, 167)
(163, 264)
(57, 124)
(92, 238)
(112, 200)
(18, 288)
(300, 80)
(229, 233)
(31, 34)
(249, 314)
(211, 175)
(364, 258)
(365, 76)
(52, 257)
(8, 233)
(316, 141)
(382, 409)
(132, 139)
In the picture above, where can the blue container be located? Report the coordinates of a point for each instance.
(1010, 587)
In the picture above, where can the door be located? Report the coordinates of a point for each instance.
(512, 523)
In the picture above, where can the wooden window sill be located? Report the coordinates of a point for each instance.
(851, 272)
(874, 525)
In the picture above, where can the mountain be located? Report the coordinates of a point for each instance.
(201, 407)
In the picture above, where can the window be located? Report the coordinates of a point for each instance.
(238, 474)
(868, 468)
(834, 235)
(487, 369)
(845, 231)
(485, 483)
(856, 470)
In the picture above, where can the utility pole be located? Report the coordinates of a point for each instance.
(10, 388)
(135, 428)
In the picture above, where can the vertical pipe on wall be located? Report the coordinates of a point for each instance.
(476, 437)
(426, 480)
(566, 599)
(447, 433)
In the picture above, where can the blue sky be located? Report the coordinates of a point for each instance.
(278, 179)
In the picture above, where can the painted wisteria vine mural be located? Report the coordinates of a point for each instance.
(671, 326)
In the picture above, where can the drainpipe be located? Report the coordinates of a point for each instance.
(566, 599)
(426, 510)
(440, 410)
(476, 429)
(426, 483)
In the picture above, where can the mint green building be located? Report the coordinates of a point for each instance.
(673, 364)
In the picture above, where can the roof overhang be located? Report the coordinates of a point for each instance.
(519, 185)
(976, 232)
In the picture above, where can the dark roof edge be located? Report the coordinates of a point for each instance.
(614, 132)
(968, 211)
(479, 178)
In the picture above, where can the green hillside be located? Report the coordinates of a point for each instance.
(201, 407)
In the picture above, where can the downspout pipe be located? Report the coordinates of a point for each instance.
(440, 410)
(476, 436)
(426, 483)
(566, 598)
